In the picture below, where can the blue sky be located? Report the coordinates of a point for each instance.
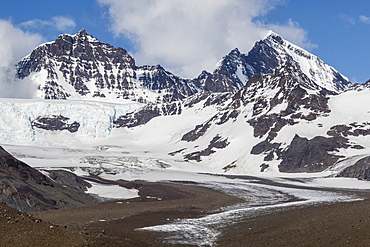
(189, 36)
(340, 29)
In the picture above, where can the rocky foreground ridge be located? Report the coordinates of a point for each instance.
(27, 189)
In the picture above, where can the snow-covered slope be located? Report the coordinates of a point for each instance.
(284, 122)
(276, 109)
(237, 136)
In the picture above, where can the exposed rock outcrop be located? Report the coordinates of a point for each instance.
(217, 142)
(304, 155)
(147, 113)
(359, 170)
(27, 189)
(56, 123)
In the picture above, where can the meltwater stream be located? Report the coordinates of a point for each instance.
(260, 199)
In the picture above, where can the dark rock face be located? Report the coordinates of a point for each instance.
(353, 129)
(147, 113)
(269, 124)
(268, 148)
(69, 179)
(56, 123)
(137, 118)
(313, 155)
(217, 142)
(263, 57)
(225, 78)
(360, 170)
(197, 132)
(26, 189)
(264, 167)
(227, 115)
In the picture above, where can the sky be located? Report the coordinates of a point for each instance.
(189, 36)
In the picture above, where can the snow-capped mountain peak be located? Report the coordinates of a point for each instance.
(270, 33)
(83, 34)
(316, 69)
(81, 67)
(235, 69)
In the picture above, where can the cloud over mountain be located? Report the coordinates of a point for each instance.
(60, 23)
(15, 44)
(188, 36)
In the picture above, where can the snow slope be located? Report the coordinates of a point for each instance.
(163, 135)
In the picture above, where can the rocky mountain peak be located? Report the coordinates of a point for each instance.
(234, 52)
(274, 37)
(235, 69)
(285, 97)
(273, 51)
(367, 83)
(83, 33)
(80, 38)
(230, 75)
(79, 66)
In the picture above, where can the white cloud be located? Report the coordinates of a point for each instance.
(347, 18)
(293, 33)
(365, 19)
(35, 23)
(61, 23)
(192, 35)
(15, 44)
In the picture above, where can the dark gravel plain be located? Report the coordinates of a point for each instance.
(114, 223)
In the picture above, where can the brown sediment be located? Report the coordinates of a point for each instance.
(21, 229)
(114, 223)
(332, 224)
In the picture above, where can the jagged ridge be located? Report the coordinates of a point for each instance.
(81, 67)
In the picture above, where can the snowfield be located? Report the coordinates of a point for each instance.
(148, 146)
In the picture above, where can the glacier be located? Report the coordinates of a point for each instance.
(96, 119)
